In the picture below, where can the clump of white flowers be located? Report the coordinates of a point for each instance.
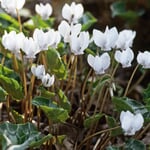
(144, 59)
(131, 123)
(40, 73)
(11, 6)
(70, 30)
(45, 11)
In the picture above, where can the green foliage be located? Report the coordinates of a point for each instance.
(118, 8)
(146, 96)
(128, 104)
(63, 100)
(3, 94)
(87, 21)
(42, 101)
(7, 22)
(113, 123)
(53, 112)
(39, 23)
(88, 122)
(45, 93)
(9, 73)
(18, 117)
(133, 144)
(55, 64)
(12, 87)
(20, 136)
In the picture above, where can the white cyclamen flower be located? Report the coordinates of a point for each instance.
(13, 41)
(131, 123)
(44, 11)
(99, 63)
(144, 59)
(73, 12)
(30, 47)
(38, 71)
(106, 41)
(48, 80)
(41, 38)
(125, 39)
(11, 5)
(79, 43)
(54, 38)
(124, 57)
(67, 30)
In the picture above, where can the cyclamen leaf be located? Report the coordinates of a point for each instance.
(128, 104)
(133, 144)
(12, 87)
(55, 64)
(42, 101)
(20, 136)
(113, 123)
(55, 114)
(87, 21)
(3, 94)
(92, 120)
(64, 102)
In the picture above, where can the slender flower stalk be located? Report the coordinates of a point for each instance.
(130, 80)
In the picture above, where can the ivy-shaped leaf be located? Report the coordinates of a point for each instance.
(112, 123)
(42, 101)
(20, 136)
(12, 87)
(3, 94)
(128, 104)
(55, 64)
(55, 114)
(87, 21)
(51, 109)
(64, 102)
(88, 122)
(133, 144)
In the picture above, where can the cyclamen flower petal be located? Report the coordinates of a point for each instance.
(79, 43)
(54, 38)
(44, 11)
(124, 57)
(48, 80)
(13, 41)
(107, 39)
(30, 47)
(99, 63)
(11, 5)
(125, 39)
(67, 30)
(144, 59)
(73, 12)
(38, 71)
(131, 123)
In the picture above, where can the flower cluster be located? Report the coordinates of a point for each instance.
(30, 45)
(40, 73)
(70, 30)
